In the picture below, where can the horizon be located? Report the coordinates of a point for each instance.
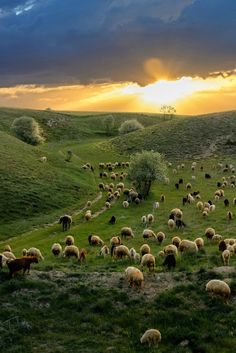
(126, 56)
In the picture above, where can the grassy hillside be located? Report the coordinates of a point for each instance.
(185, 137)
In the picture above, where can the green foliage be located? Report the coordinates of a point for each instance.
(146, 167)
(130, 126)
(108, 123)
(27, 129)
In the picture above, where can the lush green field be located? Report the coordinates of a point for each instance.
(64, 306)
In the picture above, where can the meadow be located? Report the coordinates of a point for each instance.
(65, 306)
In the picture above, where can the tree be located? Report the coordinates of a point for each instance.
(130, 126)
(28, 130)
(146, 167)
(108, 123)
(167, 111)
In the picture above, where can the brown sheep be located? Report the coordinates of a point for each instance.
(23, 263)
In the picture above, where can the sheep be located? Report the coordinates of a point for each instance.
(56, 249)
(145, 249)
(95, 240)
(207, 176)
(82, 255)
(126, 232)
(177, 213)
(187, 246)
(212, 208)
(35, 252)
(69, 240)
(121, 251)
(71, 250)
(155, 205)
(132, 253)
(24, 252)
(149, 261)
(101, 186)
(160, 237)
(137, 258)
(125, 204)
(200, 206)
(222, 245)
(199, 242)
(88, 215)
(3, 260)
(115, 241)
(177, 186)
(134, 276)
(150, 218)
(205, 214)
(188, 186)
(181, 181)
(176, 241)
(151, 337)
(179, 223)
(66, 221)
(209, 232)
(229, 216)
(112, 220)
(218, 287)
(171, 224)
(144, 220)
(169, 261)
(104, 251)
(161, 253)
(225, 257)
(170, 249)
(43, 159)
(230, 248)
(148, 233)
(107, 204)
(7, 248)
(22, 263)
(162, 198)
(226, 202)
(120, 186)
(216, 238)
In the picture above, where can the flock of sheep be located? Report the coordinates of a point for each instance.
(141, 258)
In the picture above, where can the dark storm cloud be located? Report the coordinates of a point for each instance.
(56, 41)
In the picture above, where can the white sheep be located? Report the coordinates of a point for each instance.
(121, 251)
(104, 251)
(150, 218)
(187, 246)
(69, 240)
(115, 241)
(225, 257)
(95, 240)
(132, 253)
(71, 250)
(145, 249)
(125, 204)
(56, 249)
(170, 249)
(199, 242)
(3, 260)
(148, 233)
(176, 241)
(210, 232)
(134, 276)
(218, 287)
(160, 237)
(88, 215)
(126, 232)
(171, 224)
(149, 261)
(35, 252)
(144, 220)
(151, 337)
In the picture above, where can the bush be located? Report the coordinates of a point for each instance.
(27, 129)
(108, 123)
(130, 126)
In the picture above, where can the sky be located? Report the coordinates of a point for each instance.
(118, 55)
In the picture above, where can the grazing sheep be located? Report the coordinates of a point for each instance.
(125, 204)
(66, 221)
(226, 202)
(205, 213)
(160, 237)
(181, 181)
(134, 276)
(229, 215)
(188, 246)
(82, 255)
(209, 232)
(23, 263)
(170, 261)
(155, 205)
(70, 251)
(177, 213)
(69, 240)
(132, 253)
(199, 242)
(200, 205)
(161, 253)
(104, 251)
(126, 232)
(225, 257)
(121, 251)
(231, 249)
(56, 249)
(222, 245)
(145, 249)
(207, 176)
(171, 224)
(188, 186)
(88, 215)
(7, 248)
(179, 223)
(216, 238)
(151, 337)
(144, 220)
(170, 249)
(149, 261)
(35, 252)
(137, 258)
(88, 204)
(95, 240)
(162, 198)
(115, 241)
(43, 159)
(177, 186)
(212, 208)
(218, 287)
(107, 204)
(148, 233)
(176, 241)
(150, 218)
(112, 220)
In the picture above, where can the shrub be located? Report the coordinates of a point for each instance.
(108, 123)
(130, 126)
(27, 129)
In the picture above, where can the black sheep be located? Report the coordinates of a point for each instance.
(170, 261)
(226, 202)
(177, 186)
(179, 223)
(65, 221)
(222, 245)
(219, 184)
(181, 181)
(184, 200)
(112, 220)
(207, 176)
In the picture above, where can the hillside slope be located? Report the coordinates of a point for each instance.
(184, 137)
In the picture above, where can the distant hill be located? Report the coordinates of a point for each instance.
(184, 137)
